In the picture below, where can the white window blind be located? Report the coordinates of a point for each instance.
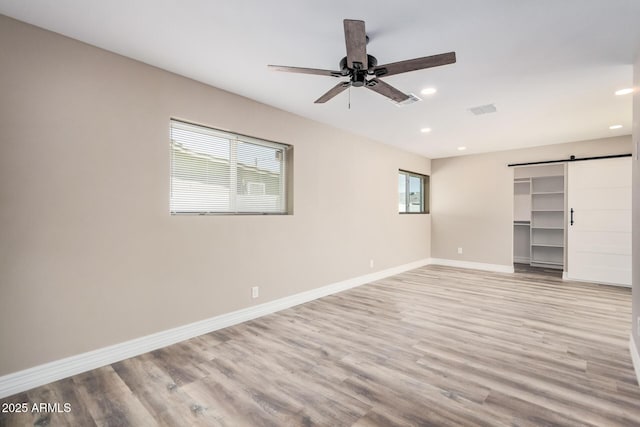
(213, 171)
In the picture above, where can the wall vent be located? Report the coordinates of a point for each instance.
(483, 109)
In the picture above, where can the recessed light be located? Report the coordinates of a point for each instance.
(626, 91)
(615, 127)
(425, 130)
(462, 148)
(428, 91)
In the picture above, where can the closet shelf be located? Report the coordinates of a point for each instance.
(543, 263)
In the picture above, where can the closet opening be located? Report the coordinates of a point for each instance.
(539, 218)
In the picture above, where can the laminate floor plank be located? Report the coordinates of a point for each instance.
(108, 399)
(435, 346)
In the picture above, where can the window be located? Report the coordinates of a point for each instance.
(213, 171)
(413, 192)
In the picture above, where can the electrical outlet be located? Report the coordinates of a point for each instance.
(370, 263)
(459, 250)
(255, 292)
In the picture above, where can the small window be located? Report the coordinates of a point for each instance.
(413, 192)
(214, 172)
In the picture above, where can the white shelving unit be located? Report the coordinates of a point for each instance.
(539, 216)
(547, 221)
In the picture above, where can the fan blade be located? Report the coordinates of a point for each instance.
(302, 70)
(387, 90)
(333, 92)
(414, 64)
(356, 40)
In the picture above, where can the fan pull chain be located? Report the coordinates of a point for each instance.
(349, 97)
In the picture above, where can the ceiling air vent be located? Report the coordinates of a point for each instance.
(412, 98)
(483, 109)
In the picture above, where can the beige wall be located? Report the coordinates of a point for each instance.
(472, 198)
(636, 208)
(89, 255)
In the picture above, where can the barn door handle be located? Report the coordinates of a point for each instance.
(571, 222)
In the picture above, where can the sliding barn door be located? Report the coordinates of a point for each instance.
(599, 229)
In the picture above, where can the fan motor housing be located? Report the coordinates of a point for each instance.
(358, 75)
(371, 62)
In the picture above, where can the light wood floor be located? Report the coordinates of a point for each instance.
(528, 269)
(436, 346)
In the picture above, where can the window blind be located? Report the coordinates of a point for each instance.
(214, 171)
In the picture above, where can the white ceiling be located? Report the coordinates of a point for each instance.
(549, 66)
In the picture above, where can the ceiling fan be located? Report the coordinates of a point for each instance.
(358, 65)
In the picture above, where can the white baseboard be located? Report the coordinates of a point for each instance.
(498, 268)
(43, 374)
(635, 357)
(565, 276)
